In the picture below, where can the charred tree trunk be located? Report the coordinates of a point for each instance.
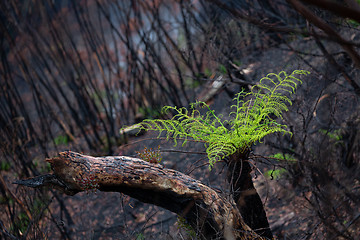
(206, 210)
(245, 195)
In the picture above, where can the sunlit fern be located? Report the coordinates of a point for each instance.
(252, 117)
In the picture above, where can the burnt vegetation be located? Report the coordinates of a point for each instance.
(73, 73)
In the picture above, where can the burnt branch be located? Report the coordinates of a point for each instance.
(204, 208)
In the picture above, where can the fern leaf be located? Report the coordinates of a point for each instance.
(250, 121)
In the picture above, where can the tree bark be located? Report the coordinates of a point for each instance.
(245, 195)
(212, 215)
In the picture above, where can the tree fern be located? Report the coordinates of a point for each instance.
(252, 117)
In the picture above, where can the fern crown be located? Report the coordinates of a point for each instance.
(250, 120)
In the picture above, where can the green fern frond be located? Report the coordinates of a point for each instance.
(252, 117)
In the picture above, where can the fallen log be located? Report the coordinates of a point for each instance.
(206, 210)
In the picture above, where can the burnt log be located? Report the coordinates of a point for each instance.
(211, 214)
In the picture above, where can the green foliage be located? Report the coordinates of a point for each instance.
(4, 166)
(237, 63)
(21, 223)
(284, 157)
(45, 168)
(182, 224)
(222, 69)
(22, 220)
(149, 112)
(150, 155)
(208, 72)
(252, 117)
(275, 174)
(140, 236)
(354, 23)
(61, 139)
(278, 173)
(334, 135)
